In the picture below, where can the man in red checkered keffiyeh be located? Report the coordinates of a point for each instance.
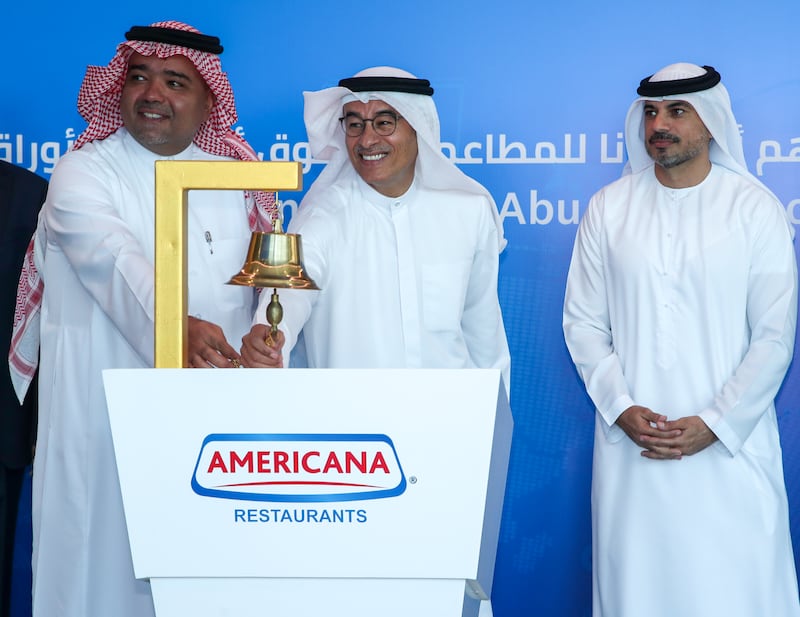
(163, 95)
(99, 104)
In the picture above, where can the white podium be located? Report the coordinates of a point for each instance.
(310, 493)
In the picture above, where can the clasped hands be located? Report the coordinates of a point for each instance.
(665, 439)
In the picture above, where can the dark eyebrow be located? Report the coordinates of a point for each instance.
(380, 111)
(672, 104)
(172, 73)
(178, 74)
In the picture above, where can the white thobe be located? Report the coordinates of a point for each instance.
(406, 282)
(95, 252)
(684, 301)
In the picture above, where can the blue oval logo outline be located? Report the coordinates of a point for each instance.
(298, 498)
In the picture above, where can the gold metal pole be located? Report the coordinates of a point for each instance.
(174, 179)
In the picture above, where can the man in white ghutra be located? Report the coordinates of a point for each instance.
(680, 314)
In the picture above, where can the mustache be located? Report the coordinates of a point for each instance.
(359, 151)
(663, 137)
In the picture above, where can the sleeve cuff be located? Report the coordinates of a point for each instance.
(609, 416)
(726, 435)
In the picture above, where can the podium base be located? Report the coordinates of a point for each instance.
(307, 597)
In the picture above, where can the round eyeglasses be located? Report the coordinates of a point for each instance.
(384, 124)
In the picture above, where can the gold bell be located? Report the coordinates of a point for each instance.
(274, 259)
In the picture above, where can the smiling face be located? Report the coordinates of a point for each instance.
(385, 162)
(675, 137)
(164, 102)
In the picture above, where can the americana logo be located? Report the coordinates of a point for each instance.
(298, 468)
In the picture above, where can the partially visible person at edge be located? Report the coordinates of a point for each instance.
(21, 195)
(403, 245)
(680, 314)
(163, 96)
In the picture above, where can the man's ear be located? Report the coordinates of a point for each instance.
(210, 100)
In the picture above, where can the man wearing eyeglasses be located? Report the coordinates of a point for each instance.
(403, 245)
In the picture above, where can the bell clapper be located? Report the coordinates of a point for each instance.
(274, 317)
(274, 308)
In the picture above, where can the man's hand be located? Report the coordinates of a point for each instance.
(662, 439)
(694, 435)
(208, 347)
(649, 430)
(256, 353)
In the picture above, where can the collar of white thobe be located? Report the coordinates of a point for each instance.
(384, 202)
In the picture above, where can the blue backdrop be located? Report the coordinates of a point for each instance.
(532, 98)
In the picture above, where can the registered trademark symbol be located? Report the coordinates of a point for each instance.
(412, 480)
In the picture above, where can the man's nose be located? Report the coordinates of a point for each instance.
(661, 121)
(154, 91)
(369, 136)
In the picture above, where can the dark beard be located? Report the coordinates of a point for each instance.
(668, 161)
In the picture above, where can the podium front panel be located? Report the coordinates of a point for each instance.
(308, 473)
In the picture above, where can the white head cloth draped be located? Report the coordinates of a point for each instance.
(99, 104)
(713, 105)
(326, 139)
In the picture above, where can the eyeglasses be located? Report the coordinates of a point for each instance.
(384, 124)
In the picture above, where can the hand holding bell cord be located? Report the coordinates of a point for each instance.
(256, 353)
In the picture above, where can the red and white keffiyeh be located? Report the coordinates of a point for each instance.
(99, 104)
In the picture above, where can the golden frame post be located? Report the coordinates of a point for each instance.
(174, 179)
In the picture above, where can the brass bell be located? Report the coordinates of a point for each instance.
(274, 259)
